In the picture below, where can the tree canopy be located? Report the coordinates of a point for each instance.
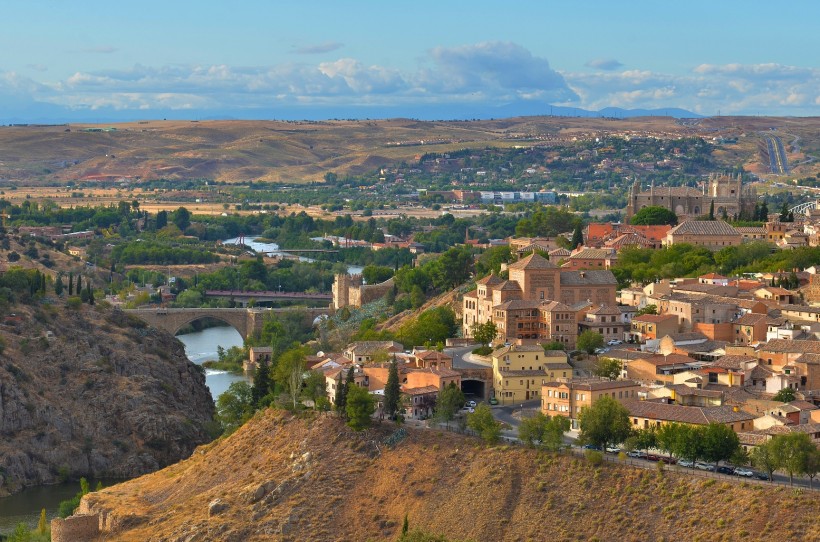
(654, 215)
(606, 422)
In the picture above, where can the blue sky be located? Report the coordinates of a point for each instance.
(310, 58)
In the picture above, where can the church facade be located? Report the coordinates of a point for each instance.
(726, 191)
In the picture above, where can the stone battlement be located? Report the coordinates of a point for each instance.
(79, 528)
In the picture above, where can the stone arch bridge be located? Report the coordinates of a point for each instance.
(245, 321)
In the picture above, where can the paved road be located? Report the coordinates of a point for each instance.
(458, 354)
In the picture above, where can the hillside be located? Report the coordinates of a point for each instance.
(92, 392)
(280, 478)
(290, 152)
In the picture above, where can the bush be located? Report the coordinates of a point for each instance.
(483, 351)
(594, 457)
(74, 303)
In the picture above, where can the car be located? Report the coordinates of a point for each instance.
(467, 410)
(470, 404)
(704, 466)
(493, 401)
(637, 454)
(686, 463)
(612, 450)
(614, 342)
(668, 460)
(762, 476)
(601, 350)
(725, 469)
(746, 473)
(591, 447)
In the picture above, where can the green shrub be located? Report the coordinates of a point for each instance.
(594, 457)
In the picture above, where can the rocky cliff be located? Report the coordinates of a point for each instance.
(280, 478)
(93, 392)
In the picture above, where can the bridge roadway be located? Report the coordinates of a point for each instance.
(243, 320)
(244, 296)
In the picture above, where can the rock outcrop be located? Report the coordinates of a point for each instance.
(93, 392)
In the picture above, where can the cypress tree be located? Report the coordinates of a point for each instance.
(392, 390)
(90, 292)
(577, 236)
(341, 391)
(79, 284)
(71, 283)
(712, 210)
(764, 211)
(58, 286)
(784, 212)
(261, 383)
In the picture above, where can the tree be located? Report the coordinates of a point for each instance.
(589, 340)
(484, 333)
(89, 292)
(553, 345)
(359, 408)
(290, 370)
(785, 395)
(784, 212)
(162, 219)
(606, 422)
(541, 430)
(718, 442)
(642, 439)
(42, 525)
(261, 383)
(181, 218)
(235, 406)
(484, 424)
(608, 368)
(764, 212)
(71, 283)
(647, 309)
(577, 236)
(812, 466)
(342, 389)
(654, 215)
(764, 457)
(315, 389)
(392, 390)
(792, 452)
(58, 286)
(712, 210)
(450, 399)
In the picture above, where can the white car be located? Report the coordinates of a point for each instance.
(613, 449)
(686, 463)
(704, 466)
(614, 342)
(744, 472)
(471, 404)
(467, 410)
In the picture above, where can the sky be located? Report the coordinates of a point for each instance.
(255, 59)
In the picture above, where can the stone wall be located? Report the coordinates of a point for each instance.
(348, 290)
(79, 528)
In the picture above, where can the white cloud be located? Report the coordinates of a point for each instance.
(603, 64)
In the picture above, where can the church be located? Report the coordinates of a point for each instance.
(726, 191)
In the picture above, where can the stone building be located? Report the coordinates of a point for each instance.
(726, 191)
(349, 290)
(534, 284)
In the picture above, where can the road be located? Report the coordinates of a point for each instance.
(458, 353)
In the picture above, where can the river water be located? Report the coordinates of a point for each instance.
(200, 346)
(273, 249)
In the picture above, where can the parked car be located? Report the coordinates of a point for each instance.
(470, 404)
(746, 473)
(762, 476)
(637, 454)
(704, 466)
(668, 460)
(725, 469)
(614, 342)
(493, 401)
(467, 410)
(601, 350)
(591, 447)
(686, 463)
(613, 450)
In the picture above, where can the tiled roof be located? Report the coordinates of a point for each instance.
(606, 309)
(733, 362)
(552, 306)
(683, 389)
(515, 304)
(433, 355)
(803, 405)
(711, 276)
(596, 277)
(688, 336)
(761, 372)
(796, 347)
(555, 354)
(706, 346)
(419, 391)
(800, 308)
(508, 285)
(368, 347)
(659, 360)
(686, 414)
(533, 261)
(704, 227)
(809, 358)
(592, 254)
(559, 252)
(628, 239)
(517, 348)
(490, 280)
(593, 384)
(751, 318)
(751, 230)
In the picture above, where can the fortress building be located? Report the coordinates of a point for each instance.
(726, 191)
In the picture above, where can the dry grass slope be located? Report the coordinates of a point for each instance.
(297, 479)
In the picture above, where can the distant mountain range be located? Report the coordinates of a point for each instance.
(54, 114)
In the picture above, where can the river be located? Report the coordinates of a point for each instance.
(200, 346)
(273, 248)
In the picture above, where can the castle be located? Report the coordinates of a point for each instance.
(350, 291)
(726, 191)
